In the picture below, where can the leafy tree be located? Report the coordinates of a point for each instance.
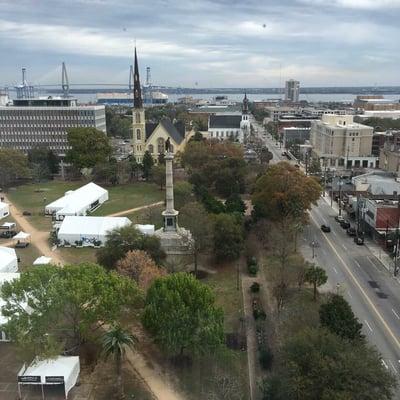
(320, 365)
(115, 342)
(161, 158)
(118, 125)
(226, 183)
(44, 162)
(315, 166)
(316, 276)
(197, 137)
(89, 147)
(50, 308)
(183, 193)
(211, 204)
(13, 166)
(194, 217)
(284, 191)
(140, 267)
(158, 175)
(105, 173)
(181, 314)
(337, 316)
(234, 203)
(228, 237)
(121, 240)
(147, 164)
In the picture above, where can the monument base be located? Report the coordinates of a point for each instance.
(175, 242)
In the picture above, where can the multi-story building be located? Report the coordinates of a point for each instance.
(343, 142)
(295, 135)
(292, 90)
(376, 103)
(45, 122)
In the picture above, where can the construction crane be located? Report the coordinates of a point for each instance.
(64, 79)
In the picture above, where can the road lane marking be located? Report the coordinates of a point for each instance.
(395, 313)
(334, 233)
(349, 294)
(357, 263)
(344, 247)
(335, 269)
(384, 364)
(369, 326)
(395, 370)
(369, 301)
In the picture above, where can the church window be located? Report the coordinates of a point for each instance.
(138, 118)
(151, 148)
(138, 134)
(161, 145)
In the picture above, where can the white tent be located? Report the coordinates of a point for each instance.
(42, 260)
(22, 236)
(88, 230)
(8, 225)
(5, 277)
(8, 260)
(78, 202)
(59, 371)
(4, 210)
(145, 229)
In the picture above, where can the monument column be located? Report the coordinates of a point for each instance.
(170, 214)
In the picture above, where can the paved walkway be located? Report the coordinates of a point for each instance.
(132, 210)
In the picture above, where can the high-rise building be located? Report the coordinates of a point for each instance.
(292, 90)
(45, 121)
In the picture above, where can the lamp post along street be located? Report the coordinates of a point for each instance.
(340, 197)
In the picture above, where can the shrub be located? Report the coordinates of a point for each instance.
(253, 269)
(255, 287)
(259, 313)
(266, 357)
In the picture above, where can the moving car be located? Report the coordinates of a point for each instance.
(351, 231)
(325, 228)
(345, 224)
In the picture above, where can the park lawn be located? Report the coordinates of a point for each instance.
(27, 256)
(151, 215)
(73, 255)
(125, 197)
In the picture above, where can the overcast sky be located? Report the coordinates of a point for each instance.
(219, 43)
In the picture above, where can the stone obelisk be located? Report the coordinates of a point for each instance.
(170, 214)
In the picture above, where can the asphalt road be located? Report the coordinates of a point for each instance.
(356, 274)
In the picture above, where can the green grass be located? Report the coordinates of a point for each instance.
(33, 197)
(73, 255)
(27, 256)
(151, 215)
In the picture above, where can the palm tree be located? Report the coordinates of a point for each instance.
(115, 341)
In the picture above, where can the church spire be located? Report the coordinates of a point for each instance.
(137, 91)
(245, 106)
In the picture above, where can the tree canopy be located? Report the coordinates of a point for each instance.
(147, 164)
(13, 166)
(181, 313)
(89, 146)
(284, 191)
(52, 308)
(118, 125)
(316, 276)
(121, 240)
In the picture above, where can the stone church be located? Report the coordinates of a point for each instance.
(149, 136)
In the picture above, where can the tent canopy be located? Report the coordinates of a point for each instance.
(145, 229)
(8, 225)
(4, 210)
(22, 236)
(42, 260)
(8, 260)
(61, 370)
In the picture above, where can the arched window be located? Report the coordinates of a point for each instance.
(151, 148)
(138, 134)
(161, 145)
(138, 118)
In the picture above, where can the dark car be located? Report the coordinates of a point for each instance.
(359, 240)
(325, 228)
(27, 213)
(345, 224)
(7, 234)
(351, 231)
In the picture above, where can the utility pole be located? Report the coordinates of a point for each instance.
(340, 196)
(395, 272)
(313, 249)
(325, 177)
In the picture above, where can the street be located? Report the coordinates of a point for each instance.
(354, 272)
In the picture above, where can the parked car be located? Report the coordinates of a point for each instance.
(7, 234)
(351, 231)
(26, 213)
(21, 245)
(325, 228)
(359, 240)
(339, 218)
(345, 224)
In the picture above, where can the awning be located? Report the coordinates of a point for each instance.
(42, 260)
(22, 236)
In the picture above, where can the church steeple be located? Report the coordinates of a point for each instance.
(245, 106)
(137, 91)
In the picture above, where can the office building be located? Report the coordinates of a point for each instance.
(376, 103)
(33, 122)
(343, 142)
(292, 91)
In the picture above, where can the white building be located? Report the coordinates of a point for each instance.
(8, 260)
(88, 231)
(292, 90)
(4, 210)
(29, 123)
(77, 202)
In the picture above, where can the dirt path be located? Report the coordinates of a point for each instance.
(39, 239)
(132, 210)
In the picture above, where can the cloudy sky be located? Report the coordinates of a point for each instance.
(219, 43)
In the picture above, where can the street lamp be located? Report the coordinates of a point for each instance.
(313, 249)
(340, 196)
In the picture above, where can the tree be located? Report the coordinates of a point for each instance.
(228, 237)
(337, 316)
(105, 173)
(118, 125)
(315, 166)
(284, 191)
(65, 306)
(140, 267)
(121, 240)
(44, 162)
(211, 204)
(318, 364)
(197, 137)
(183, 193)
(147, 164)
(316, 276)
(181, 313)
(234, 203)
(114, 342)
(158, 174)
(194, 217)
(89, 146)
(13, 166)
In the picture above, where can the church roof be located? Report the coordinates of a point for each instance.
(225, 121)
(175, 131)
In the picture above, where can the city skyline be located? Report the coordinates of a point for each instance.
(208, 44)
